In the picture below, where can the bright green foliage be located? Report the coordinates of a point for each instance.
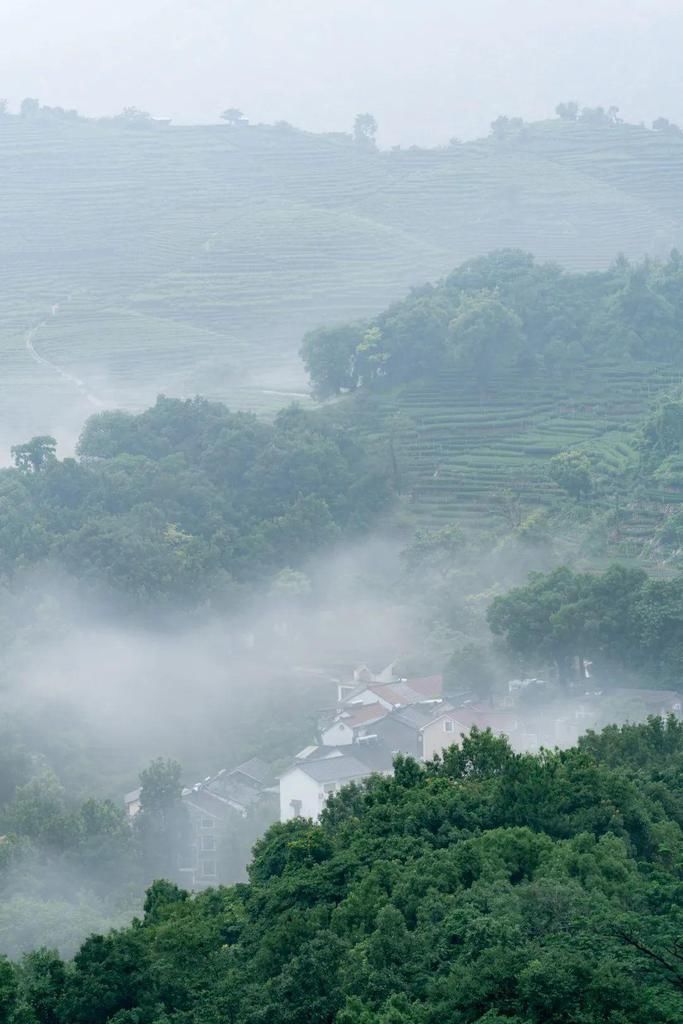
(484, 888)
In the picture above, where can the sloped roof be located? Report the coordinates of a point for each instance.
(496, 721)
(374, 754)
(429, 686)
(255, 769)
(398, 694)
(312, 748)
(334, 769)
(419, 715)
(361, 714)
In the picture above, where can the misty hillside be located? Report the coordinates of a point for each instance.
(513, 393)
(140, 259)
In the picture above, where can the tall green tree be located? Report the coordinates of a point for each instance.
(486, 336)
(35, 455)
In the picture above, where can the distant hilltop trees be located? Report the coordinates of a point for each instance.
(571, 111)
(505, 128)
(364, 130)
(233, 116)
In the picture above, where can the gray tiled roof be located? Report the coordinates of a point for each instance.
(335, 769)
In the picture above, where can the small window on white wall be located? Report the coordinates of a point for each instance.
(448, 725)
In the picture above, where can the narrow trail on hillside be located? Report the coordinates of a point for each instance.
(70, 378)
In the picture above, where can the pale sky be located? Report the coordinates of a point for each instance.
(427, 69)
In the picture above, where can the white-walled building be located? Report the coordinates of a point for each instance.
(351, 722)
(132, 802)
(307, 786)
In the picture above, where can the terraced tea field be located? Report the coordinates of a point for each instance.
(192, 259)
(480, 459)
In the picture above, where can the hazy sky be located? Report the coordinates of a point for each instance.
(427, 69)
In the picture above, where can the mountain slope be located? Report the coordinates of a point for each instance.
(194, 258)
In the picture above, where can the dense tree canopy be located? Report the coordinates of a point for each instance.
(185, 499)
(621, 619)
(487, 886)
(504, 310)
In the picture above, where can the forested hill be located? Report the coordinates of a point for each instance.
(140, 257)
(186, 500)
(512, 390)
(485, 888)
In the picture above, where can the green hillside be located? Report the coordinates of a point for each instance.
(467, 456)
(193, 259)
(470, 388)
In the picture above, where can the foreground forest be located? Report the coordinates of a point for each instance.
(485, 887)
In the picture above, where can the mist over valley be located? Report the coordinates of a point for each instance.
(341, 515)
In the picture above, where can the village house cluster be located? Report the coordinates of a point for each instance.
(374, 717)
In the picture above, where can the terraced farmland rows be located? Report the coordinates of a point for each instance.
(194, 258)
(467, 456)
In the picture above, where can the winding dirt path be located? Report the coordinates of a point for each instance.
(69, 378)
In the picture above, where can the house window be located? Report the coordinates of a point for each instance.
(448, 725)
(296, 807)
(329, 788)
(207, 823)
(209, 868)
(208, 844)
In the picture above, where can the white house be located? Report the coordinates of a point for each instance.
(361, 677)
(447, 728)
(132, 802)
(306, 787)
(351, 722)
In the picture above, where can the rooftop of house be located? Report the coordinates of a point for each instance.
(318, 752)
(400, 694)
(361, 714)
(334, 769)
(483, 718)
(255, 769)
(417, 716)
(429, 686)
(241, 786)
(340, 763)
